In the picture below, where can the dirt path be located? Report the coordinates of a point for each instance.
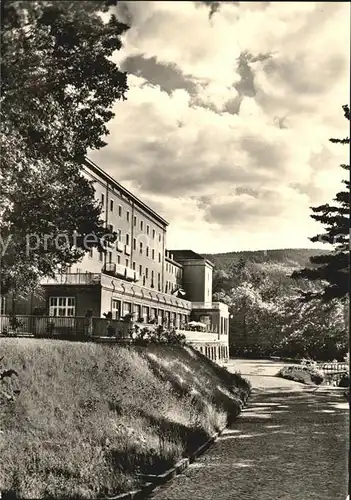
(290, 443)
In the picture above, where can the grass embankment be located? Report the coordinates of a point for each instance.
(90, 417)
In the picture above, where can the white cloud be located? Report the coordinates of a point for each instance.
(244, 178)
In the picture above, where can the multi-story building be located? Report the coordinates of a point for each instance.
(137, 274)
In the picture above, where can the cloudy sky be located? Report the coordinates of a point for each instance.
(226, 126)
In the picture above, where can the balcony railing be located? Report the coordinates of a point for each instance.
(210, 305)
(120, 271)
(74, 279)
(70, 328)
(203, 305)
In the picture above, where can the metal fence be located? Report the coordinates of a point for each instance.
(333, 372)
(333, 367)
(70, 328)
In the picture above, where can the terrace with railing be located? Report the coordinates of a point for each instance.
(76, 327)
(70, 328)
(105, 330)
(73, 279)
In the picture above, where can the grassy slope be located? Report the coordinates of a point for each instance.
(89, 417)
(289, 257)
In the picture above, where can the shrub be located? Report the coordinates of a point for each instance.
(304, 374)
(345, 380)
(157, 335)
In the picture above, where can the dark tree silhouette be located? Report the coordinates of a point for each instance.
(332, 268)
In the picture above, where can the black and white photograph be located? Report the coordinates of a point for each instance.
(174, 250)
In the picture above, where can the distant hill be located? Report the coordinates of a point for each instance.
(289, 258)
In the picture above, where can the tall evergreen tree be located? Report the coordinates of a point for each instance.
(332, 268)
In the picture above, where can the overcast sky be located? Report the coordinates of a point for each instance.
(226, 126)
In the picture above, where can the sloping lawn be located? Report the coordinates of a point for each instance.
(90, 417)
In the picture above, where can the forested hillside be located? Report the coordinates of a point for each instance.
(267, 314)
(294, 257)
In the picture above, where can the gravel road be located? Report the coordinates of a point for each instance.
(289, 443)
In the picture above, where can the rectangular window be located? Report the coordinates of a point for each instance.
(159, 257)
(140, 270)
(101, 256)
(153, 254)
(141, 247)
(134, 243)
(102, 200)
(118, 259)
(62, 306)
(141, 225)
(134, 266)
(127, 239)
(127, 262)
(111, 205)
(127, 216)
(116, 309)
(147, 229)
(119, 211)
(135, 221)
(109, 257)
(153, 233)
(146, 272)
(119, 234)
(127, 308)
(145, 312)
(147, 251)
(159, 238)
(137, 310)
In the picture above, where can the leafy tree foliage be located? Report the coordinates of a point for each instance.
(58, 86)
(267, 317)
(332, 268)
(313, 329)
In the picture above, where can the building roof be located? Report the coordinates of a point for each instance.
(101, 173)
(181, 255)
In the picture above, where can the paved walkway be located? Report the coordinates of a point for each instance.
(289, 443)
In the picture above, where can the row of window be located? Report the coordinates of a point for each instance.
(147, 250)
(169, 268)
(141, 244)
(140, 269)
(66, 306)
(173, 269)
(135, 221)
(118, 258)
(147, 313)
